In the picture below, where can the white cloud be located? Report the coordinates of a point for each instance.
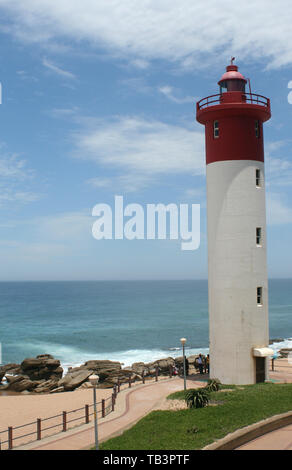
(173, 95)
(57, 70)
(143, 147)
(127, 183)
(14, 177)
(186, 31)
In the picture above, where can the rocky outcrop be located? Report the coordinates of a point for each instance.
(42, 367)
(19, 383)
(10, 368)
(39, 374)
(43, 374)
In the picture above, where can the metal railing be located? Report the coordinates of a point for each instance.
(36, 428)
(250, 98)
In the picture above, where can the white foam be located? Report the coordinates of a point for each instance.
(286, 343)
(70, 356)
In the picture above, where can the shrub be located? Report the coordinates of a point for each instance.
(213, 385)
(197, 397)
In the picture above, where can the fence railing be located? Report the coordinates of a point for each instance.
(62, 422)
(251, 98)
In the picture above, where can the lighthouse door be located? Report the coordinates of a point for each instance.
(260, 369)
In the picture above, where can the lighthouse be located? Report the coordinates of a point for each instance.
(236, 226)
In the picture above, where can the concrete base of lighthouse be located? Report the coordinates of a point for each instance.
(236, 268)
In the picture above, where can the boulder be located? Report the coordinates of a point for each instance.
(139, 367)
(45, 356)
(74, 379)
(46, 386)
(12, 368)
(42, 367)
(163, 365)
(98, 365)
(20, 383)
(192, 359)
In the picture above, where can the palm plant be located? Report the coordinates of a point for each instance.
(197, 397)
(213, 385)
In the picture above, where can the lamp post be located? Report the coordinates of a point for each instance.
(183, 342)
(94, 381)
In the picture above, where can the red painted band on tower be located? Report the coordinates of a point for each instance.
(234, 125)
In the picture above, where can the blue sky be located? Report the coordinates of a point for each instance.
(99, 100)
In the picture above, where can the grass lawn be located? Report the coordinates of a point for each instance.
(174, 430)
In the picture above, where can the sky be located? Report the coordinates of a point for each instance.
(98, 100)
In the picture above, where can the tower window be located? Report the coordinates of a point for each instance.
(258, 178)
(259, 296)
(216, 129)
(257, 129)
(259, 236)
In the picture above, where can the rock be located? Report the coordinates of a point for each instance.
(276, 340)
(139, 367)
(57, 390)
(192, 359)
(46, 387)
(85, 385)
(73, 380)
(285, 352)
(163, 365)
(45, 356)
(98, 365)
(32, 374)
(20, 383)
(11, 368)
(42, 367)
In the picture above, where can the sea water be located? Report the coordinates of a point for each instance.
(126, 321)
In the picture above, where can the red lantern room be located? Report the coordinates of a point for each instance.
(233, 120)
(232, 80)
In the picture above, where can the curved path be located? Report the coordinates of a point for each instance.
(281, 439)
(131, 405)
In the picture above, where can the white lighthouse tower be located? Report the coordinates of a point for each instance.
(236, 214)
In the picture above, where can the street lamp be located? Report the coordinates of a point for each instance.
(183, 342)
(93, 379)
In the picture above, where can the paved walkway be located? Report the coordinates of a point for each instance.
(131, 405)
(281, 439)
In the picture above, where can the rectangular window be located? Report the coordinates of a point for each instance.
(257, 129)
(216, 129)
(259, 296)
(258, 178)
(259, 236)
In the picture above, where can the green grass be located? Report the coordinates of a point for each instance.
(173, 430)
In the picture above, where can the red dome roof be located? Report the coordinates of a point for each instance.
(232, 74)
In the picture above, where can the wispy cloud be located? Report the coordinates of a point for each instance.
(128, 183)
(175, 95)
(58, 70)
(14, 179)
(142, 146)
(187, 32)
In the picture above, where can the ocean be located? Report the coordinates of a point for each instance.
(126, 321)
